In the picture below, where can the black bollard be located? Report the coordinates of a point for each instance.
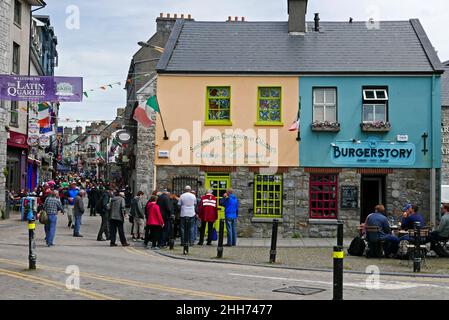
(32, 245)
(274, 238)
(340, 233)
(186, 236)
(417, 253)
(171, 234)
(338, 272)
(220, 239)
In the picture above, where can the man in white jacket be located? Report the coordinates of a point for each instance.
(187, 202)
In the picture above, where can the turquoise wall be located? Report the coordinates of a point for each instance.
(414, 108)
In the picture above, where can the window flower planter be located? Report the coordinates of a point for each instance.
(326, 126)
(378, 126)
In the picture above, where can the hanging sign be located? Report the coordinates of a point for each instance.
(123, 136)
(41, 88)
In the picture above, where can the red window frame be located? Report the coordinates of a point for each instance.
(323, 196)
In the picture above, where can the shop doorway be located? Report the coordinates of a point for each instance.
(372, 194)
(218, 183)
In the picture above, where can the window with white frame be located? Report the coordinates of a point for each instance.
(375, 105)
(325, 104)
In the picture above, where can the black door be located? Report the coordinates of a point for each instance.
(373, 193)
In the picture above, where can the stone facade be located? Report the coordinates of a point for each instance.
(5, 23)
(445, 145)
(401, 186)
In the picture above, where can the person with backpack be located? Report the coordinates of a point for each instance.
(208, 214)
(137, 211)
(101, 209)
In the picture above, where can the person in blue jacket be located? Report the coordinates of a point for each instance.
(231, 205)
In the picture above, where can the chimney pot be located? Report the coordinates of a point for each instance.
(168, 15)
(190, 16)
(243, 19)
(317, 22)
(236, 18)
(161, 15)
(176, 15)
(182, 16)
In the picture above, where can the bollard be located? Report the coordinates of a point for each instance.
(186, 236)
(32, 245)
(220, 239)
(274, 238)
(340, 233)
(417, 249)
(171, 235)
(338, 272)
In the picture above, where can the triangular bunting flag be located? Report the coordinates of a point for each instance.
(110, 85)
(152, 103)
(103, 87)
(85, 93)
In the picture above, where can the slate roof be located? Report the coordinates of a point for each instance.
(267, 47)
(445, 85)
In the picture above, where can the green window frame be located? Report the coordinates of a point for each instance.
(268, 194)
(218, 105)
(269, 106)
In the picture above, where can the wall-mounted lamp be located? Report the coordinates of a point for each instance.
(333, 145)
(356, 141)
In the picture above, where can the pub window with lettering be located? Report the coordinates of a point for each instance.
(323, 196)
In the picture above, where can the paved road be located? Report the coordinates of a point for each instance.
(136, 273)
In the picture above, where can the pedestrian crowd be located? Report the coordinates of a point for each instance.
(154, 221)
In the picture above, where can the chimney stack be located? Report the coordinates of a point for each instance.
(297, 10)
(243, 19)
(317, 22)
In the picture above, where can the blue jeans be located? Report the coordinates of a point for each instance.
(231, 230)
(76, 230)
(50, 229)
(391, 244)
(191, 221)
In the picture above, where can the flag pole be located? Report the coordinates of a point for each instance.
(162, 120)
(298, 138)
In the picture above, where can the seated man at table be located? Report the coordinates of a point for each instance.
(442, 233)
(408, 222)
(378, 219)
(411, 216)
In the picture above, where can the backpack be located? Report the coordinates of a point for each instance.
(404, 251)
(357, 247)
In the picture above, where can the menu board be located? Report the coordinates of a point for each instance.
(349, 197)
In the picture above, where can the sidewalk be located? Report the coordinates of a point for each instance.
(287, 243)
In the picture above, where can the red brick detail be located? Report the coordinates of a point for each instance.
(375, 171)
(218, 169)
(324, 170)
(279, 169)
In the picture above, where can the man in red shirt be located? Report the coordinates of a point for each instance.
(208, 214)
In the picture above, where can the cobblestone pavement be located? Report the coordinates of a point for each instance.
(137, 273)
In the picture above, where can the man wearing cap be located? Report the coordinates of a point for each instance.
(411, 216)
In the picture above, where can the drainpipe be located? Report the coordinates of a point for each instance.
(433, 170)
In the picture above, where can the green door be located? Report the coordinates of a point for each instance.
(218, 183)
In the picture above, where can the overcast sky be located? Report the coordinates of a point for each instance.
(100, 50)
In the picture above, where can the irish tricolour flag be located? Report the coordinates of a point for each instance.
(142, 113)
(43, 115)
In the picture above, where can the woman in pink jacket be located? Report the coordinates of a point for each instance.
(155, 223)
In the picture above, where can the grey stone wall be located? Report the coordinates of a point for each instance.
(401, 186)
(409, 185)
(5, 25)
(445, 145)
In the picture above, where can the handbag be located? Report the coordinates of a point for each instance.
(43, 217)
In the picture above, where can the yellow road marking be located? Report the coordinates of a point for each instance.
(54, 284)
(137, 283)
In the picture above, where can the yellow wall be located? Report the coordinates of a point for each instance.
(182, 100)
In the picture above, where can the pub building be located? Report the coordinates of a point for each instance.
(368, 119)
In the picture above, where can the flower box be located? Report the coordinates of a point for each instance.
(326, 126)
(379, 126)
